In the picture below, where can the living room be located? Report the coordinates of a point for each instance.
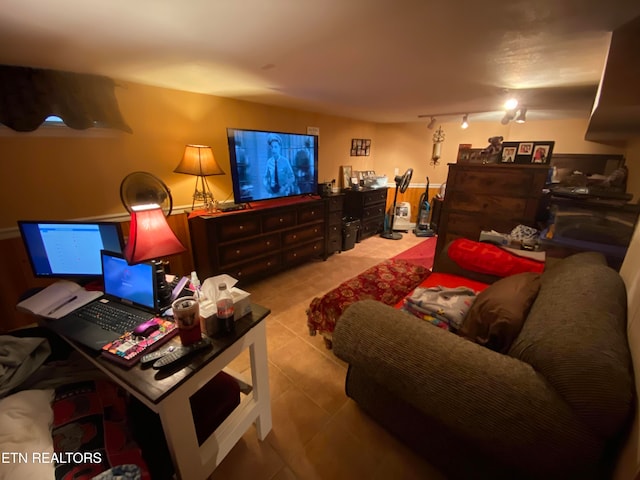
(59, 173)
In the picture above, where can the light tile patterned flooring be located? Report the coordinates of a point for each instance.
(318, 432)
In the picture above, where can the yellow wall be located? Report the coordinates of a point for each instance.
(77, 174)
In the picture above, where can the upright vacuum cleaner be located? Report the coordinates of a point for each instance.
(423, 227)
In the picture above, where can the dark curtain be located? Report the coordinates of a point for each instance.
(29, 95)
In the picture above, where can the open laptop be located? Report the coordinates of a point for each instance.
(130, 290)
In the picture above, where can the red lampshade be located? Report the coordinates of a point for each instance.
(150, 236)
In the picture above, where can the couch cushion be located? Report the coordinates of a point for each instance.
(575, 336)
(498, 313)
(489, 259)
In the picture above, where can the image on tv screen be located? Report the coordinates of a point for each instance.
(267, 165)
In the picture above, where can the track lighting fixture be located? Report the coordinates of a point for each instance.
(508, 116)
(465, 121)
(511, 104)
(432, 123)
(522, 116)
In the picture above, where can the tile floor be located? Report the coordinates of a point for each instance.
(318, 432)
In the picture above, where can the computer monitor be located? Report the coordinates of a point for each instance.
(69, 249)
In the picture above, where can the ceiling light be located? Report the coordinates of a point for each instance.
(522, 116)
(511, 104)
(465, 121)
(508, 116)
(432, 123)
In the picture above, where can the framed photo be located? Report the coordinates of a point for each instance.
(542, 152)
(509, 154)
(525, 148)
(527, 152)
(346, 174)
(360, 147)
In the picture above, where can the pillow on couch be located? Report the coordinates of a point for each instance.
(489, 259)
(498, 313)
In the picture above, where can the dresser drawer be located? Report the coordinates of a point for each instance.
(503, 182)
(255, 268)
(336, 203)
(335, 218)
(372, 212)
(311, 214)
(375, 196)
(280, 220)
(304, 252)
(250, 248)
(234, 228)
(303, 234)
(469, 202)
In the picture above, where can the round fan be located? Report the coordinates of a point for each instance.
(402, 183)
(139, 188)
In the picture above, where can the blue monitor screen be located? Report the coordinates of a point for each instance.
(266, 165)
(67, 249)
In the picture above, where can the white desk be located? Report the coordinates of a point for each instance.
(168, 395)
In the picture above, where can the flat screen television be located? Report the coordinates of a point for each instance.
(267, 165)
(68, 249)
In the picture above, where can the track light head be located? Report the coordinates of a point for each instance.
(432, 123)
(465, 121)
(522, 116)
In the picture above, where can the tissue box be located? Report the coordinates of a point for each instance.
(241, 303)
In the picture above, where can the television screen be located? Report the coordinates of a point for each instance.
(67, 249)
(266, 165)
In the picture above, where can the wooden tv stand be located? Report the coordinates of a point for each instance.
(259, 241)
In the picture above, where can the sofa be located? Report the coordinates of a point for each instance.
(558, 401)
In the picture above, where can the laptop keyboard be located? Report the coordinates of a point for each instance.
(112, 318)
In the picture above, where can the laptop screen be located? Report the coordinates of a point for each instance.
(130, 283)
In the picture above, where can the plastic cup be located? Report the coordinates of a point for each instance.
(186, 313)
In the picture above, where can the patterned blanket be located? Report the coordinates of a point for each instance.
(387, 282)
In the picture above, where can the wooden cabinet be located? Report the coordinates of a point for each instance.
(255, 243)
(367, 205)
(489, 197)
(335, 205)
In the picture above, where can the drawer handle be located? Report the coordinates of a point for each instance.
(281, 219)
(241, 227)
(295, 254)
(238, 252)
(268, 264)
(239, 273)
(268, 243)
(295, 236)
(315, 247)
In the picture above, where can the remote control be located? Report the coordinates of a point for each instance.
(181, 353)
(153, 356)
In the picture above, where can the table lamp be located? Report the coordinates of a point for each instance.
(198, 160)
(151, 237)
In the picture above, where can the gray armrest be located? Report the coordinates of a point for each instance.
(481, 394)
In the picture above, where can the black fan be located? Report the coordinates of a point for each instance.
(139, 188)
(402, 183)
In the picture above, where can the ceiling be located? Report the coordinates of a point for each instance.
(374, 60)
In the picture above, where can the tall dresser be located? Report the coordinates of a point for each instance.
(489, 197)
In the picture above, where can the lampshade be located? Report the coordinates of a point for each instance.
(150, 236)
(198, 160)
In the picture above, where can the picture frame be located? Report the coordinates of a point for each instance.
(360, 147)
(525, 148)
(509, 154)
(527, 152)
(346, 172)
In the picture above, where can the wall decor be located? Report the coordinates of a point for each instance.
(360, 147)
(345, 174)
(527, 152)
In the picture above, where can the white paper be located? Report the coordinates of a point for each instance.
(58, 299)
(210, 286)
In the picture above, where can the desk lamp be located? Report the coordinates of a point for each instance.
(151, 237)
(198, 160)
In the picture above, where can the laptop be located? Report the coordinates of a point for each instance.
(129, 293)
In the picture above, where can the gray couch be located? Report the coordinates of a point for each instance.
(556, 406)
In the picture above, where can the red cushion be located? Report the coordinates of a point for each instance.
(489, 259)
(449, 281)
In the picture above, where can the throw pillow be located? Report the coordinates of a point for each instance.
(489, 259)
(498, 313)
